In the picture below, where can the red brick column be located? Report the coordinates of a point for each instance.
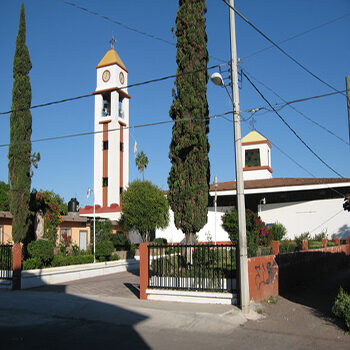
(16, 266)
(337, 241)
(348, 240)
(275, 247)
(324, 242)
(143, 270)
(305, 245)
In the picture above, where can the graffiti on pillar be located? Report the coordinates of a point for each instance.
(266, 273)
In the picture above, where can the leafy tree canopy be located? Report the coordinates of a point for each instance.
(145, 208)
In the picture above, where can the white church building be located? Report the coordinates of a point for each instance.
(302, 205)
(311, 205)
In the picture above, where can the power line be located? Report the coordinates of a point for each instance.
(221, 115)
(125, 87)
(286, 103)
(290, 128)
(126, 26)
(291, 158)
(296, 36)
(279, 48)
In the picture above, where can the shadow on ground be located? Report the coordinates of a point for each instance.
(33, 320)
(320, 293)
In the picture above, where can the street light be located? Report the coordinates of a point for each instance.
(215, 201)
(88, 196)
(242, 235)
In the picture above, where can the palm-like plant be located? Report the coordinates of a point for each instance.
(141, 163)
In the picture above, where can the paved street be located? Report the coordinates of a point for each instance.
(104, 311)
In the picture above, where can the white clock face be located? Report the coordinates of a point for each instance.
(121, 78)
(106, 75)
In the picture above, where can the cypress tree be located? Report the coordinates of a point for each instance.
(189, 175)
(20, 132)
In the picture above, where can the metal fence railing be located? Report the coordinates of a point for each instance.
(205, 267)
(5, 262)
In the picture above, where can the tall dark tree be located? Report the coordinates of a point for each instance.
(189, 175)
(19, 155)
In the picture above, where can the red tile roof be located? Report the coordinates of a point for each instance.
(278, 182)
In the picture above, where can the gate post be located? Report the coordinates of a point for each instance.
(143, 270)
(16, 266)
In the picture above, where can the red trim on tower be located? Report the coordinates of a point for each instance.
(121, 156)
(120, 92)
(256, 143)
(265, 167)
(105, 167)
(105, 121)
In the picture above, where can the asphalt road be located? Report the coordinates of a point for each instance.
(88, 314)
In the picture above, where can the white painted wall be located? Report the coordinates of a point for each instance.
(312, 216)
(173, 235)
(98, 137)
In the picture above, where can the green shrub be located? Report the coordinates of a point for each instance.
(315, 244)
(60, 260)
(278, 231)
(160, 241)
(104, 249)
(257, 234)
(41, 249)
(32, 263)
(341, 307)
(114, 257)
(299, 239)
(133, 246)
(318, 237)
(120, 242)
(287, 246)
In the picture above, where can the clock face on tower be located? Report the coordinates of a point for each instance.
(106, 75)
(121, 78)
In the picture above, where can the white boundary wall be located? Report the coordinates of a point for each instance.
(54, 275)
(316, 216)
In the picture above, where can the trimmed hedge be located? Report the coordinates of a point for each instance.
(341, 307)
(42, 250)
(60, 260)
(32, 264)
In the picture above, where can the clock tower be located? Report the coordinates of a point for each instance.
(111, 138)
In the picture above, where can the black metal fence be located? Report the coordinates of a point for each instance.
(206, 267)
(5, 262)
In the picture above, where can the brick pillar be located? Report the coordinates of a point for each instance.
(348, 240)
(16, 266)
(143, 270)
(275, 247)
(324, 242)
(305, 245)
(337, 241)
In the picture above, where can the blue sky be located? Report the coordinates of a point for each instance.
(66, 44)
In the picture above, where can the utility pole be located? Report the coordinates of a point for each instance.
(242, 235)
(347, 81)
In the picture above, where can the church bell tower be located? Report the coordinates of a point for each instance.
(111, 138)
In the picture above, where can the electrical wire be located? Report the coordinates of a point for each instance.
(290, 158)
(122, 88)
(291, 129)
(125, 26)
(280, 49)
(286, 103)
(295, 36)
(116, 129)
